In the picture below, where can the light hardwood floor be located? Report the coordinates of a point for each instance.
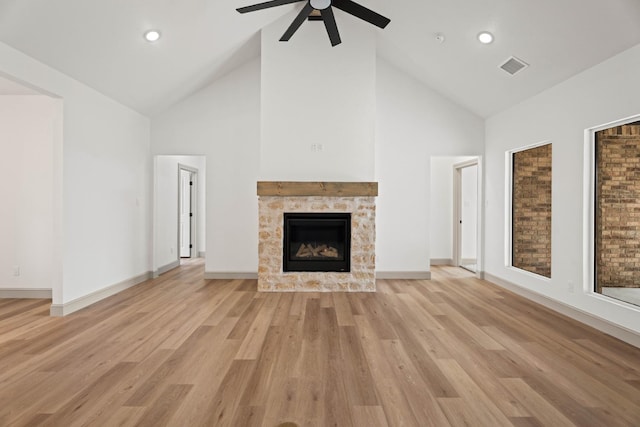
(182, 351)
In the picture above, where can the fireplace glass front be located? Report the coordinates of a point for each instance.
(317, 242)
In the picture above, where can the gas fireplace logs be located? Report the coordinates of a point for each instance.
(311, 250)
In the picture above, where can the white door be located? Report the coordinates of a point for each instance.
(467, 215)
(186, 185)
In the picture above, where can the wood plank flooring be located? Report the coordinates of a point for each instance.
(182, 351)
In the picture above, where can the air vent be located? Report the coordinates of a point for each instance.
(514, 65)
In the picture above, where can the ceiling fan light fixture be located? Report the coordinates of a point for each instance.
(152, 36)
(320, 4)
(485, 37)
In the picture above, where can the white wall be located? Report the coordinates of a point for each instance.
(313, 93)
(441, 206)
(222, 123)
(560, 115)
(26, 191)
(166, 207)
(414, 123)
(102, 226)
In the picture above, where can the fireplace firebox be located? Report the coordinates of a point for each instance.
(317, 242)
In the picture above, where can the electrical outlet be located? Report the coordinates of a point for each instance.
(570, 286)
(171, 250)
(16, 270)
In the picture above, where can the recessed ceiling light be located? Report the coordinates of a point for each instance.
(485, 37)
(152, 35)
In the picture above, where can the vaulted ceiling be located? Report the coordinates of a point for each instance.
(100, 43)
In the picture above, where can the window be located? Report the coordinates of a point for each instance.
(617, 212)
(531, 210)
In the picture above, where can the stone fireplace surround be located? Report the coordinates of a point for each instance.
(277, 197)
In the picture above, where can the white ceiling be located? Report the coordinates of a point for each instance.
(100, 43)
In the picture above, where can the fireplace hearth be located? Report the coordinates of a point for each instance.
(317, 242)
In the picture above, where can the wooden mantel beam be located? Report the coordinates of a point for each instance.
(327, 189)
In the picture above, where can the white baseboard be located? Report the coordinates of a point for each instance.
(596, 322)
(166, 268)
(59, 310)
(25, 293)
(415, 275)
(410, 275)
(407, 275)
(219, 275)
(441, 261)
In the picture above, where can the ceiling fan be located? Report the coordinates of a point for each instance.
(324, 8)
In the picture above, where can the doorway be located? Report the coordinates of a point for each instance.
(186, 211)
(466, 211)
(168, 205)
(31, 215)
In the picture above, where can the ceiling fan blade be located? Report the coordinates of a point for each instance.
(265, 5)
(330, 25)
(361, 12)
(306, 10)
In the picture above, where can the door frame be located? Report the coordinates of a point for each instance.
(193, 251)
(457, 214)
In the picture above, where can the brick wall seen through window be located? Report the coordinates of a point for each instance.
(531, 216)
(617, 216)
